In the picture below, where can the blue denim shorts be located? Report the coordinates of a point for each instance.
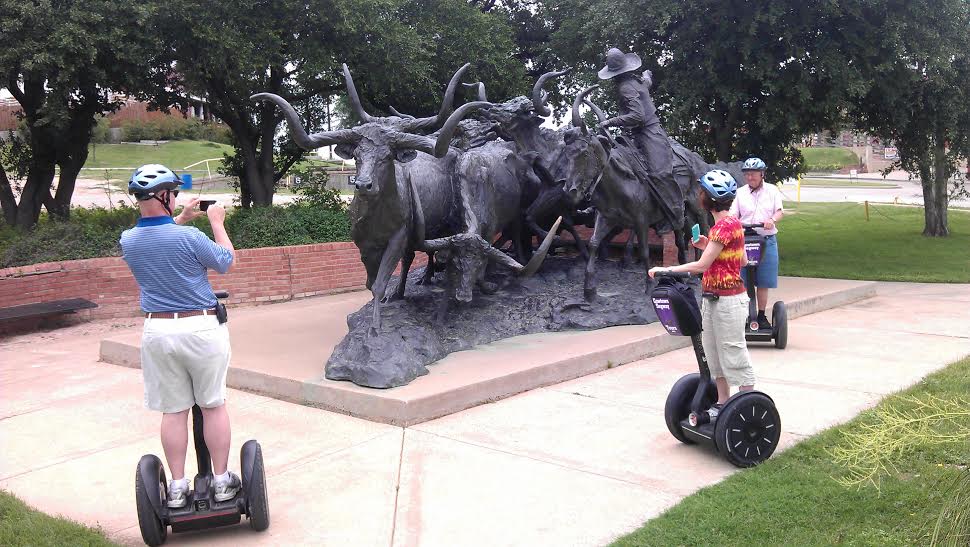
(767, 276)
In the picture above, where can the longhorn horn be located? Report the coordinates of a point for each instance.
(354, 98)
(540, 254)
(479, 88)
(539, 97)
(577, 118)
(533, 266)
(444, 136)
(297, 131)
(398, 114)
(601, 116)
(410, 141)
(447, 106)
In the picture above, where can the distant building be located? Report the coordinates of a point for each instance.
(130, 110)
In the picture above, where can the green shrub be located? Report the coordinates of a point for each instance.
(313, 190)
(94, 232)
(175, 127)
(54, 241)
(101, 133)
(296, 224)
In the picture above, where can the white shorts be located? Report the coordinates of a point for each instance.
(723, 338)
(184, 362)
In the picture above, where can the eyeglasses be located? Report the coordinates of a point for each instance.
(175, 193)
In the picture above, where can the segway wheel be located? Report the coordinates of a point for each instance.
(779, 320)
(678, 402)
(153, 530)
(748, 429)
(257, 503)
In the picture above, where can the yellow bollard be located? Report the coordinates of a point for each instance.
(867, 210)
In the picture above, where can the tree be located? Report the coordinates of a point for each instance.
(14, 159)
(532, 30)
(227, 51)
(401, 54)
(59, 60)
(447, 34)
(918, 59)
(732, 78)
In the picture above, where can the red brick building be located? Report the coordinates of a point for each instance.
(130, 110)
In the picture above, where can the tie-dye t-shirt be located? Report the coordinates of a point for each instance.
(724, 275)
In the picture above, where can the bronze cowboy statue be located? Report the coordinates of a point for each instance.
(638, 120)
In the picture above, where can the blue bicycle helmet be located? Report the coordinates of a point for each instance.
(753, 164)
(720, 185)
(150, 179)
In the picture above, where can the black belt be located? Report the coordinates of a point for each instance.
(711, 296)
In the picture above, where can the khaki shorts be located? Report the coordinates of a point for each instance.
(723, 339)
(184, 362)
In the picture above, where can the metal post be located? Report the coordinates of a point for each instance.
(867, 210)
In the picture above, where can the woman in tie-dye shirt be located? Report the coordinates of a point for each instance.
(725, 306)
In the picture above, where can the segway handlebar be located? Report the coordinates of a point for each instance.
(222, 295)
(676, 275)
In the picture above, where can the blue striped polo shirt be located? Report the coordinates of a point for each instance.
(169, 263)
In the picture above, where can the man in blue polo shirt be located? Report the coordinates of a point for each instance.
(185, 349)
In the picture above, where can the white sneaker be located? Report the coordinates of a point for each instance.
(178, 493)
(227, 490)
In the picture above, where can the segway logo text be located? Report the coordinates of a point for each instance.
(666, 315)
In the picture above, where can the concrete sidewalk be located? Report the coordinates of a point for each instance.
(577, 463)
(280, 350)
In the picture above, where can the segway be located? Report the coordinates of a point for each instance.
(201, 509)
(747, 428)
(754, 246)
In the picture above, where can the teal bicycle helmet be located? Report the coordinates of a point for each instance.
(754, 164)
(720, 185)
(151, 179)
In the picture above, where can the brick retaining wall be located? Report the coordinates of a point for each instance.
(268, 274)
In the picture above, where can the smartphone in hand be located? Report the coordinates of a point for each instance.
(205, 203)
(695, 233)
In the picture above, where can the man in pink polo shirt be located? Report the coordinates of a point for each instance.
(757, 203)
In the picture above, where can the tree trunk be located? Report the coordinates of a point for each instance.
(37, 190)
(66, 182)
(935, 203)
(724, 135)
(256, 183)
(8, 202)
(265, 185)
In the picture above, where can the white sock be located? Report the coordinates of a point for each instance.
(223, 478)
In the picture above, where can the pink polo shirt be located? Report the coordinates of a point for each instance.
(758, 206)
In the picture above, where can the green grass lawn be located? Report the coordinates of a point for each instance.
(834, 240)
(793, 498)
(845, 183)
(22, 526)
(174, 154)
(824, 158)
